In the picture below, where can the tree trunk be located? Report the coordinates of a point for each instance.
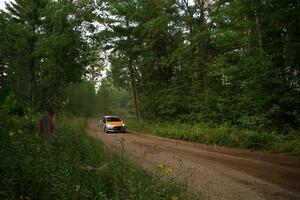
(258, 29)
(201, 4)
(1, 78)
(132, 80)
(32, 68)
(134, 90)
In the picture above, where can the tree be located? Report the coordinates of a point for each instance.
(58, 52)
(119, 35)
(27, 14)
(76, 104)
(218, 61)
(42, 52)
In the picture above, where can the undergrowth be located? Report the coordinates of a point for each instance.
(223, 135)
(76, 167)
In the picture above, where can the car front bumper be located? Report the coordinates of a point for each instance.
(116, 129)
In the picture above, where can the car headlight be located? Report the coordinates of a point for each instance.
(123, 124)
(109, 126)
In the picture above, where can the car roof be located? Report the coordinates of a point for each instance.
(106, 116)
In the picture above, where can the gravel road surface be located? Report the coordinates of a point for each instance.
(215, 172)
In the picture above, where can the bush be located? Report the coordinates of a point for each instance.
(224, 135)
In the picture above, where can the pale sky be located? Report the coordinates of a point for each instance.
(2, 4)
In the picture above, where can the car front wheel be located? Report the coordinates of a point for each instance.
(105, 130)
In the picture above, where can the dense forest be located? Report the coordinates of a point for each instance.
(234, 62)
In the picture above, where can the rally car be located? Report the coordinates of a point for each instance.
(112, 124)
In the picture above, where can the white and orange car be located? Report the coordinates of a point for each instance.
(111, 124)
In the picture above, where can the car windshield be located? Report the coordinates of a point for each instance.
(113, 119)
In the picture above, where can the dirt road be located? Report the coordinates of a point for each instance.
(215, 172)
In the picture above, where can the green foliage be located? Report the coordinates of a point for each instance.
(113, 100)
(232, 62)
(77, 167)
(173, 100)
(223, 135)
(42, 52)
(81, 99)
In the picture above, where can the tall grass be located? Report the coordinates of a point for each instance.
(223, 135)
(76, 167)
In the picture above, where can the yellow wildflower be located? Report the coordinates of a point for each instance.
(160, 166)
(174, 198)
(169, 170)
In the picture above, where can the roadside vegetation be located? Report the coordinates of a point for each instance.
(76, 167)
(223, 135)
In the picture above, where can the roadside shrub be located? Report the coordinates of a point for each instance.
(224, 135)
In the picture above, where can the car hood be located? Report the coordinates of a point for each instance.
(115, 123)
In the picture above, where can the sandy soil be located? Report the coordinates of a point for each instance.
(215, 172)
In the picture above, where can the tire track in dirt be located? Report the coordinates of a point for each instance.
(215, 172)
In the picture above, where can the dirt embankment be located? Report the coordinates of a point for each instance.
(215, 172)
